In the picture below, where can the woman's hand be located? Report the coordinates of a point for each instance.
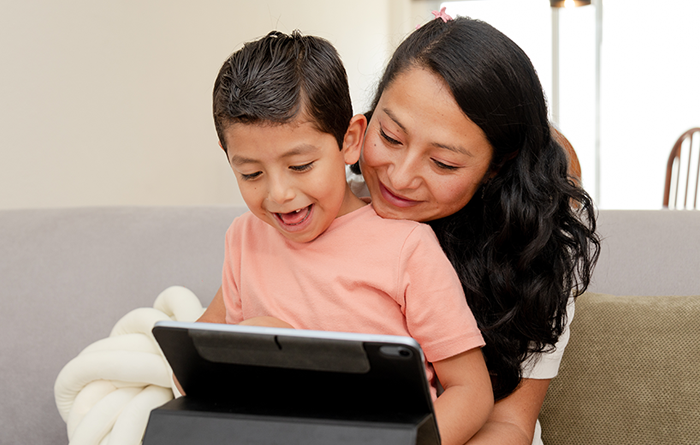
(513, 418)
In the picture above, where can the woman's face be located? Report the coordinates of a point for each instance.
(423, 158)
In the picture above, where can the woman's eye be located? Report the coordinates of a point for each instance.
(301, 168)
(443, 166)
(250, 176)
(388, 138)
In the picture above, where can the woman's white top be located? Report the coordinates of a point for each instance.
(541, 366)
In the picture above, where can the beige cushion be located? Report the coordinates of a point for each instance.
(630, 374)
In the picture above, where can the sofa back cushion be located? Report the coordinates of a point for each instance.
(630, 374)
(648, 252)
(68, 275)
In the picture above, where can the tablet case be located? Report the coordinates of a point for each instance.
(256, 385)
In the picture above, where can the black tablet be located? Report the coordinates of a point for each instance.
(368, 383)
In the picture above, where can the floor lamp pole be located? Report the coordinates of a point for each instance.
(555, 66)
(598, 44)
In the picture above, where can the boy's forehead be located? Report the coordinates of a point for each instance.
(290, 125)
(248, 142)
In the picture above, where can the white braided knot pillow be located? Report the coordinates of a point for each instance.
(107, 392)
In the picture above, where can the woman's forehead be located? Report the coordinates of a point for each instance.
(420, 103)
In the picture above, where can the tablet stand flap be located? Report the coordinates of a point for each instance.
(314, 354)
(176, 423)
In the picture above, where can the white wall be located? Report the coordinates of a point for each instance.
(650, 95)
(108, 103)
(650, 87)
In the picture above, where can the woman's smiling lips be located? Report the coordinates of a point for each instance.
(394, 199)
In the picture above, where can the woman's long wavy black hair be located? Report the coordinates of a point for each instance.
(526, 242)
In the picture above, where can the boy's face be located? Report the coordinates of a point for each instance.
(292, 176)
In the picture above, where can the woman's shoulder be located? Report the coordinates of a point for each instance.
(545, 365)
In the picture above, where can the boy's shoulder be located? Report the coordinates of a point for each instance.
(245, 218)
(246, 222)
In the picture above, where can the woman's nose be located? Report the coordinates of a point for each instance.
(404, 173)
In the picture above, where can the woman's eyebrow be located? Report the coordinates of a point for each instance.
(453, 148)
(394, 118)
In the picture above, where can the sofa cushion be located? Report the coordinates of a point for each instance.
(630, 374)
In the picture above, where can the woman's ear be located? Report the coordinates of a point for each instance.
(354, 139)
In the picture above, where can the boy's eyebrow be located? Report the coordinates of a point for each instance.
(240, 160)
(298, 150)
(454, 148)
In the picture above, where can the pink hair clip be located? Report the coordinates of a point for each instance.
(442, 15)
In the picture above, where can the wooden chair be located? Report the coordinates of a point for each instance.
(574, 165)
(677, 160)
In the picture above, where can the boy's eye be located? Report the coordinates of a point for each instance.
(301, 168)
(250, 176)
(388, 138)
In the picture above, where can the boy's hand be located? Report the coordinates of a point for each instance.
(465, 405)
(216, 311)
(270, 322)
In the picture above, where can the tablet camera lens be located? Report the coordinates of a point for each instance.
(396, 351)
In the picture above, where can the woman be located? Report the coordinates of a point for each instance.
(459, 138)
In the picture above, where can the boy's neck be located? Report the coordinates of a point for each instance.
(350, 203)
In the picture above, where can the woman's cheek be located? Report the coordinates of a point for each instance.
(367, 158)
(457, 193)
(376, 155)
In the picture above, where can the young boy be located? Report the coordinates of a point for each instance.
(310, 252)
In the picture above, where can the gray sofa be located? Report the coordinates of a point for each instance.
(67, 275)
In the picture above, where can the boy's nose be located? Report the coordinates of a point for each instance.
(280, 192)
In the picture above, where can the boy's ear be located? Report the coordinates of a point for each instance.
(354, 139)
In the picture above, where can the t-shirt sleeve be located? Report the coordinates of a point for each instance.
(437, 314)
(545, 365)
(229, 283)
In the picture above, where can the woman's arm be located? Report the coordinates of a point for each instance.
(216, 311)
(467, 401)
(513, 418)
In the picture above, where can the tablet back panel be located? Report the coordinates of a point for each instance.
(269, 377)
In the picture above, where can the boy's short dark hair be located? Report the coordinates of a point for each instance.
(275, 78)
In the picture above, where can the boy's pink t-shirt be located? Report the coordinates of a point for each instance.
(363, 274)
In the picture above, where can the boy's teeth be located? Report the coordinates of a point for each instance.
(294, 217)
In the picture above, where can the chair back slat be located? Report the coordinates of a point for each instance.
(676, 168)
(687, 178)
(697, 182)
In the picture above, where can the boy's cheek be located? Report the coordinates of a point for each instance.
(248, 193)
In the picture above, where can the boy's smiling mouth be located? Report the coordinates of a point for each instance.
(296, 217)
